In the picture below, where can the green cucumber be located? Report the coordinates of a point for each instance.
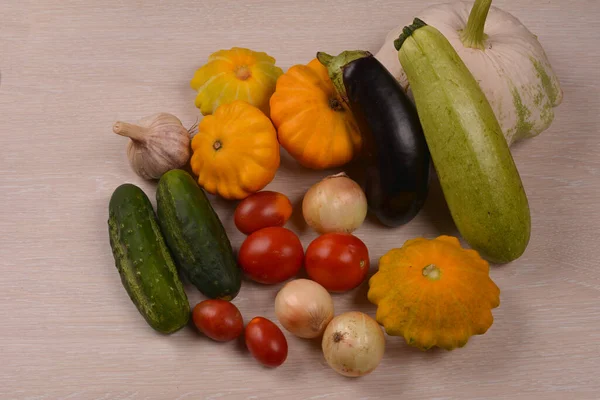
(143, 261)
(476, 170)
(196, 236)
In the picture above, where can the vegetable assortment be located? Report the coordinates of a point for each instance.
(397, 160)
(506, 59)
(333, 111)
(477, 173)
(144, 262)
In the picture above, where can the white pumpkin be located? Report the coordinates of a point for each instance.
(507, 60)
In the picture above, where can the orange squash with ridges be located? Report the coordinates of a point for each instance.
(313, 123)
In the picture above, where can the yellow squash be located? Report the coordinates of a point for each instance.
(313, 123)
(434, 293)
(235, 74)
(235, 152)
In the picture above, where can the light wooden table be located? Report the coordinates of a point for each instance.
(67, 328)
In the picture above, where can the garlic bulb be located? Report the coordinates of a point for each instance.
(158, 144)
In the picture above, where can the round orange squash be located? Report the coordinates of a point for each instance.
(313, 123)
(235, 152)
(434, 293)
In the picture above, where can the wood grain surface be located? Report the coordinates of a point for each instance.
(69, 69)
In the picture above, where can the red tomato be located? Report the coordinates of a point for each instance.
(271, 255)
(266, 342)
(220, 320)
(261, 210)
(338, 261)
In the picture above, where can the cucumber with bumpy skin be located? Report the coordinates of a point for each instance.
(144, 262)
(477, 173)
(196, 236)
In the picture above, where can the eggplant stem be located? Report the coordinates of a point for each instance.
(324, 58)
(335, 67)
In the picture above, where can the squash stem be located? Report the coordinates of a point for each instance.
(432, 272)
(473, 35)
(335, 104)
(131, 131)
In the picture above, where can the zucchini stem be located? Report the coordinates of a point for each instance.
(407, 31)
(473, 35)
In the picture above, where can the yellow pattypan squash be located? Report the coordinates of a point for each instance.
(235, 74)
(235, 152)
(434, 293)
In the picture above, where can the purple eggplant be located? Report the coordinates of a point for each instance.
(395, 153)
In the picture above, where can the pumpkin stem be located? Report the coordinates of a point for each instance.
(473, 35)
(432, 272)
(217, 145)
(335, 67)
(132, 131)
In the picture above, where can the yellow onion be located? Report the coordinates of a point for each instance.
(335, 204)
(304, 308)
(353, 344)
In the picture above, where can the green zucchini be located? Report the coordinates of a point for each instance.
(196, 236)
(476, 170)
(143, 261)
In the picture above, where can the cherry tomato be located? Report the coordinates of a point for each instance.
(271, 255)
(266, 342)
(220, 320)
(261, 210)
(338, 261)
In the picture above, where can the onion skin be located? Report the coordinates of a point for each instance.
(353, 344)
(335, 204)
(304, 308)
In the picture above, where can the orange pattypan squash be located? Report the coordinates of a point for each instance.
(235, 74)
(434, 293)
(313, 123)
(235, 152)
